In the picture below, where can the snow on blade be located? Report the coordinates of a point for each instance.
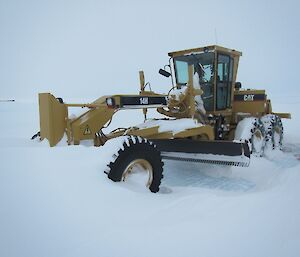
(173, 126)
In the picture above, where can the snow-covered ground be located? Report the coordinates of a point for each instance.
(58, 202)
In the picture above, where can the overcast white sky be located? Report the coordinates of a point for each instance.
(91, 48)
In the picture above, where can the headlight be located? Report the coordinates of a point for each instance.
(110, 102)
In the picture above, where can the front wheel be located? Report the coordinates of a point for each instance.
(135, 155)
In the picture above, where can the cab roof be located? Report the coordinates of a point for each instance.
(206, 48)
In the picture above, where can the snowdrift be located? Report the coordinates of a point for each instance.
(58, 201)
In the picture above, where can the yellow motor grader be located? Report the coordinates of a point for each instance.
(208, 118)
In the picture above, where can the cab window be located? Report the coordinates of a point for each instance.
(203, 64)
(182, 72)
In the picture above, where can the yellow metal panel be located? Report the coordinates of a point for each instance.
(162, 135)
(144, 132)
(283, 115)
(89, 123)
(203, 130)
(249, 107)
(250, 91)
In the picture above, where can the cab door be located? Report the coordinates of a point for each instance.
(224, 81)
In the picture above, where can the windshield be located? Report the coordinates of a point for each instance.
(202, 64)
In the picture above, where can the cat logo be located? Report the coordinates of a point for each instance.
(248, 97)
(87, 130)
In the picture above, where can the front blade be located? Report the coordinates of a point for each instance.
(215, 152)
(53, 116)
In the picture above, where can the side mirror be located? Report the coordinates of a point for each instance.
(237, 85)
(164, 73)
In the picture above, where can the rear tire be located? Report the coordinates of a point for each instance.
(274, 131)
(140, 151)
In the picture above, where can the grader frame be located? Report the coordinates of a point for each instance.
(54, 120)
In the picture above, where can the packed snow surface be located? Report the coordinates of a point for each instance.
(58, 201)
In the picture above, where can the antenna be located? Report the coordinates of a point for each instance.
(7, 100)
(216, 36)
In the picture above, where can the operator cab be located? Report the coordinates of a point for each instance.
(216, 68)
